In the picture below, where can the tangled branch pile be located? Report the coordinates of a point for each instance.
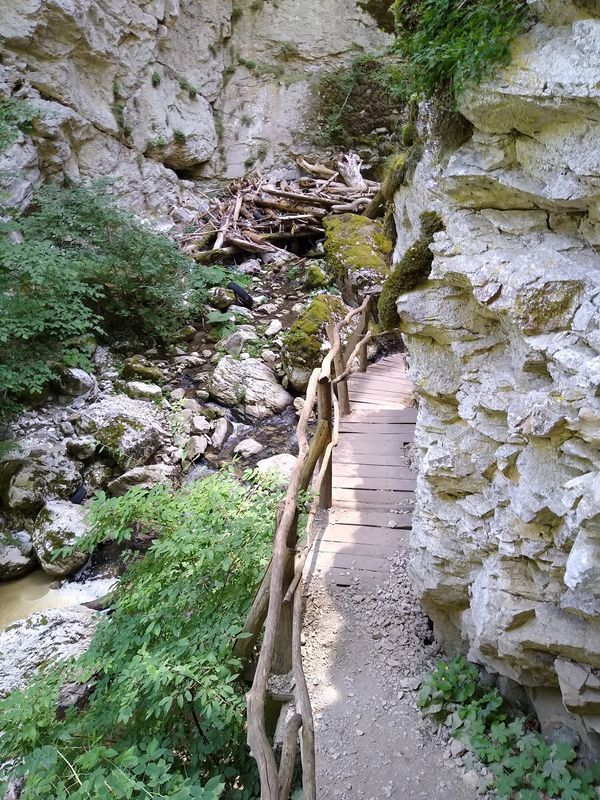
(258, 215)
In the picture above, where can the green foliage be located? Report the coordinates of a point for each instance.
(166, 719)
(15, 115)
(450, 44)
(179, 137)
(520, 762)
(156, 79)
(84, 267)
(413, 268)
(353, 102)
(187, 87)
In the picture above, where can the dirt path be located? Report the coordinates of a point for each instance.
(364, 653)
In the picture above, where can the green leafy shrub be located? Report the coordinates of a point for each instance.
(354, 101)
(84, 267)
(412, 269)
(166, 719)
(450, 44)
(15, 115)
(521, 763)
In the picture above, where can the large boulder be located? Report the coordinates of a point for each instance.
(281, 465)
(27, 479)
(144, 477)
(358, 254)
(249, 385)
(17, 557)
(59, 524)
(306, 341)
(75, 382)
(40, 639)
(127, 430)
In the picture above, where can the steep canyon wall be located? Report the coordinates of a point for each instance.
(504, 344)
(159, 91)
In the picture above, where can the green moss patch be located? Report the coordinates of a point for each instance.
(303, 340)
(413, 269)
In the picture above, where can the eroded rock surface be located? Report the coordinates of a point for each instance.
(505, 355)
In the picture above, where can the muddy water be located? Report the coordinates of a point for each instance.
(23, 596)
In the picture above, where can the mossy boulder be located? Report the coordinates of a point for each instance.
(138, 367)
(59, 524)
(303, 348)
(39, 477)
(315, 278)
(358, 254)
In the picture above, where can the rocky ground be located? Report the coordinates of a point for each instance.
(365, 653)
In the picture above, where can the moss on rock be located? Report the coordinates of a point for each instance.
(358, 253)
(315, 278)
(413, 268)
(302, 344)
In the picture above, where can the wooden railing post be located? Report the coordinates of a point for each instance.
(326, 415)
(339, 367)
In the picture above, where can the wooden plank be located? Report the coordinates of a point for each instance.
(352, 562)
(387, 428)
(360, 471)
(386, 496)
(359, 550)
(404, 414)
(356, 459)
(361, 534)
(358, 444)
(354, 579)
(392, 484)
(368, 518)
(364, 400)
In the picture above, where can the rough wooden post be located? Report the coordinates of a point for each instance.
(282, 656)
(339, 366)
(326, 415)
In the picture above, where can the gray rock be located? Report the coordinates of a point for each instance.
(128, 430)
(196, 447)
(76, 382)
(146, 477)
(17, 557)
(282, 464)
(82, 447)
(248, 448)
(59, 524)
(237, 341)
(250, 385)
(143, 391)
(222, 430)
(40, 639)
(39, 478)
(274, 328)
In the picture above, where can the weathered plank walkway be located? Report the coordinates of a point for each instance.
(373, 485)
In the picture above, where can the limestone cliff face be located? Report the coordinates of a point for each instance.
(504, 344)
(159, 90)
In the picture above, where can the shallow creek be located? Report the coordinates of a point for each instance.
(23, 596)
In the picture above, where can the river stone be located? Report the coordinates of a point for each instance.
(237, 341)
(42, 638)
(250, 386)
(248, 448)
(76, 382)
(221, 298)
(139, 367)
(50, 476)
(274, 328)
(143, 391)
(81, 447)
(128, 430)
(144, 477)
(196, 447)
(223, 428)
(17, 557)
(59, 524)
(283, 464)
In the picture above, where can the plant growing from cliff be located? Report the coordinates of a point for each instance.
(452, 44)
(166, 718)
(156, 79)
(179, 137)
(520, 763)
(413, 268)
(15, 116)
(187, 87)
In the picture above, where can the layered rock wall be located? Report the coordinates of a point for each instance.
(160, 91)
(504, 343)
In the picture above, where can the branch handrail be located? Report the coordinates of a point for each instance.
(278, 604)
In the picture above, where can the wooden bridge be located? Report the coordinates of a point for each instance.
(356, 465)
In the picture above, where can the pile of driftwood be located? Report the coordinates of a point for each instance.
(258, 215)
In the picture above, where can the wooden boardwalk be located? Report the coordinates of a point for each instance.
(373, 485)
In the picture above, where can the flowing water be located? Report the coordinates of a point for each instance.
(23, 596)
